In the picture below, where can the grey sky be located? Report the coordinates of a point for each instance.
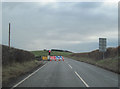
(75, 26)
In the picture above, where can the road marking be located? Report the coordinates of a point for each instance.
(81, 79)
(70, 66)
(27, 77)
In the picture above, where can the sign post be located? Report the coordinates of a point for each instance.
(9, 36)
(102, 45)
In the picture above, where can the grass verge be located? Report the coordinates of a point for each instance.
(14, 70)
(108, 63)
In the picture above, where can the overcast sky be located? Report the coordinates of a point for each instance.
(74, 26)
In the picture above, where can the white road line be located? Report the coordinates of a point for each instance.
(70, 66)
(27, 77)
(81, 79)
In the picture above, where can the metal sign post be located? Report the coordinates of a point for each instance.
(9, 36)
(102, 45)
(103, 55)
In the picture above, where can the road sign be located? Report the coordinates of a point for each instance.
(44, 58)
(102, 44)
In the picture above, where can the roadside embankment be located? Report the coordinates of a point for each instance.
(110, 62)
(16, 62)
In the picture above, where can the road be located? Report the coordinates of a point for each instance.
(70, 73)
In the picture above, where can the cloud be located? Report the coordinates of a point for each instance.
(72, 26)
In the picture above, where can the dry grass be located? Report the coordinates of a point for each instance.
(108, 63)
(95, 57)
(16, 69)
(95, 54)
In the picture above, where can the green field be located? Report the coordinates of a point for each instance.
(53, 53)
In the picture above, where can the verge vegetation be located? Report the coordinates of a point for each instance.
(111, 61)
(16, 62)
(16, 69)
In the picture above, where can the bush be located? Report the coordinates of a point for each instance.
(10, 55)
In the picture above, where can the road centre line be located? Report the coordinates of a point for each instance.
(81, 79)
(28, 77)
(70, 66)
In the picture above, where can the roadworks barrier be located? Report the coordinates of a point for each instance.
(45, 58)
(52, 58)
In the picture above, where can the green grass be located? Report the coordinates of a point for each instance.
(40, 53)
(53, 53)
(109, 63)
(16, 69)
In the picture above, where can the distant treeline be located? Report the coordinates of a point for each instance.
(10, 55)
(60, 50)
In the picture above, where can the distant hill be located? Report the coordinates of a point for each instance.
(53, 53)
(111, 52)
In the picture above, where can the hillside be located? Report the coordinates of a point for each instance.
(16, 62)
(110, 53)
(95, 57)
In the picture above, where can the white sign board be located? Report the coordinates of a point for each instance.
(102, 44)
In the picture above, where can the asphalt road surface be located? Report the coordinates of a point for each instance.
(70, 73)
